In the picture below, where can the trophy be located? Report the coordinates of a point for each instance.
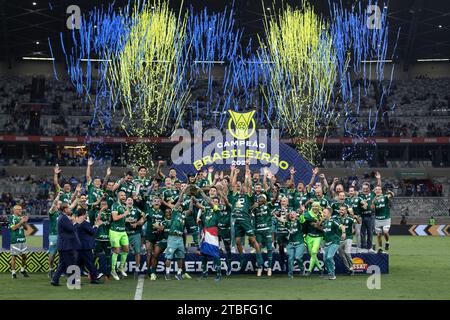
(192, 190)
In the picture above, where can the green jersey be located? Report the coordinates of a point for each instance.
(118, 225)
(263, 217)
(241, 205)
(332, 231)
(295, 231)
(178, 221)
(382, 211)
(110, 197)
(103, 229)
(66, 197)
(94, 194)
(144, 185)
(369, 198)
(356, 205)
(348, 222)
(53, 222)
(310, 218)
(135, 215)
(169, 195)
(165, 234)
(335, 206)
(154, 216)
(323, 201)
(202, 183)
(300, 199)
(128, 187)
(281, 213)
(18, 235)
(210, 217)
(224, 217)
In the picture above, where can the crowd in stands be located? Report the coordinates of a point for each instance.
(421, 108)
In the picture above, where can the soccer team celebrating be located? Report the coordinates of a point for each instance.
(152, 215)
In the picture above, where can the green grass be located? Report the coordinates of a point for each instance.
(418, 270)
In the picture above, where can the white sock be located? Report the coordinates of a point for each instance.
(167, 270)
(13, 271)
(22, 269)
(179, 271)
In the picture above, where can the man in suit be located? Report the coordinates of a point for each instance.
(86, 233)
(68, 242)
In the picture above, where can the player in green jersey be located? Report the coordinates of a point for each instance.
(102, 243)
(295, 242)
(53, 214)
(224, 225)
(168, 194)
(95, 193)
(381, 205)
(348, 220)
(154, 217)
(118, 236)
(67, 196)
(133, 226)
(358, 205)
(281, 231)
(241, 204)
(208, 217)
(175, 245)
(126, 185)
(142, 185)
(336, 205)
(172, 172)
(163, 227)
(314, 235)
(262, 210)
(333, 234)
(16, 223)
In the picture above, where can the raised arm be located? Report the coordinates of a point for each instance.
(248, 178)
(158, 170)
(333, 185)
(55, 202)
(378, 177)
(313, 178)
(90, 163)
(105, 180)
(266, 173)
(56, 171)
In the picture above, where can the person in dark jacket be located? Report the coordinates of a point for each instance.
(86, 233)
(68, 242)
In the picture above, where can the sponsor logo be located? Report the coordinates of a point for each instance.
(359, 264)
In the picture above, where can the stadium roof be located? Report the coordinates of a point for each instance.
(424, 25)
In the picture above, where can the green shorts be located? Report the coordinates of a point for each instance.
(243, 228)
(224, 234)
(175, 248)
(152, 237)
(264, 238)
(282, 239)
(162, 244)
(135, 243)
(52, 243)
(118, 238)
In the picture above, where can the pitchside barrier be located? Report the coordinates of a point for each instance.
(420, 230)
(37, 262)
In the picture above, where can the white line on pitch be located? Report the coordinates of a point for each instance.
(139, 288)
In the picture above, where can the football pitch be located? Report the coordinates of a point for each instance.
(419, 269)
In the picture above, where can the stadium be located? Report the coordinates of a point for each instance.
(224, 150)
